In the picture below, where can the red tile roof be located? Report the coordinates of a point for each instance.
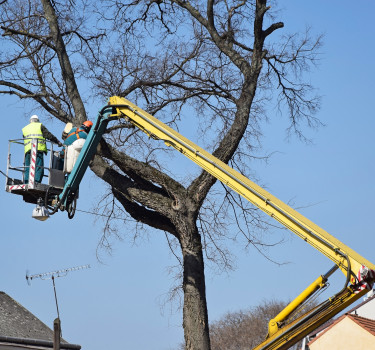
(365, 323)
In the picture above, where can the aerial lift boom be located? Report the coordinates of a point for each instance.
(359, 272)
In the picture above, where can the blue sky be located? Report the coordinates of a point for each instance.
(120, 303)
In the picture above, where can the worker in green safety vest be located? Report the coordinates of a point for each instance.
(35, 130)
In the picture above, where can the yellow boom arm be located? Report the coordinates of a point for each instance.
(347, 260)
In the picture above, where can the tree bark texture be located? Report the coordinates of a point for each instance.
(195, 316)
(66, 68)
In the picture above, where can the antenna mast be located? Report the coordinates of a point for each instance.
(52, 275)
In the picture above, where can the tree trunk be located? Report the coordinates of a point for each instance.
(67, 72)
(195, 317)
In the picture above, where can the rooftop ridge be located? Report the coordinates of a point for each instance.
(18, 322)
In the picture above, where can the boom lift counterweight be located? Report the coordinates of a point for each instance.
(359, 273)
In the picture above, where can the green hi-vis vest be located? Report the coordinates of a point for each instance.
(34, 131)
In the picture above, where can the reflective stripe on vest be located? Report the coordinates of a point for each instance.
(34, 131)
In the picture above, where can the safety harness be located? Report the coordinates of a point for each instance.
(76, 133)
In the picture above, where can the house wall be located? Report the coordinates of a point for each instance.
(367, 310)
(345, 335)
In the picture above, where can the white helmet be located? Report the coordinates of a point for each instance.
(34, 118)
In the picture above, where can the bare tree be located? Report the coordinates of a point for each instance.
(244, 329)
(171, 57)
(247, 328)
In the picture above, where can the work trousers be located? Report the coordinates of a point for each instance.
(39, 171)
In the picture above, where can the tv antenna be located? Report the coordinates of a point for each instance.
(51, 276)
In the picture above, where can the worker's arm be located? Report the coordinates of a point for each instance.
(49, 136)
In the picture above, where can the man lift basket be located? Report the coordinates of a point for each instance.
(31, 191)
